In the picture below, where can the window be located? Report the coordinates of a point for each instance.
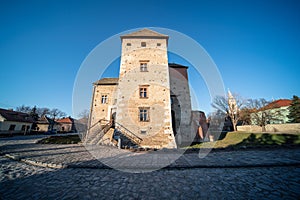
(143, 44)
(144, 114)
(104, 99)
(143, 132)
(128, 44)
(12, 127)
(158, 44)
(143, 67)
(143, 92)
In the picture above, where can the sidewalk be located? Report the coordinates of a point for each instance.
(79, 156)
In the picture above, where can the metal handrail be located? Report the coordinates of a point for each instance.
(132, 135)
(102, 130)
(97, 123)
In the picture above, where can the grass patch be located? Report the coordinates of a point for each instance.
(238, 140)
(68, 139)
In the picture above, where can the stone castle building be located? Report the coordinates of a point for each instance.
(149, 104)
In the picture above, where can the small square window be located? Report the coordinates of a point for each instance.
(158, 44)
(143, 114)
(104, 99)
(128, 44)
(143, 44)
(12, 127)
(143, 67)
(143, 92)
(143, 132)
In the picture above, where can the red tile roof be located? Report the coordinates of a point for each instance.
(279, 103)
(65, 120)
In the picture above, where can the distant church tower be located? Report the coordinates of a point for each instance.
(143, 91)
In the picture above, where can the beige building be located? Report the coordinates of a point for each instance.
(44, 124)
(12, 122)
(149, 104)
(66, 124)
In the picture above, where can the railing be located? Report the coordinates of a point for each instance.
(129, 133)
(98, 133)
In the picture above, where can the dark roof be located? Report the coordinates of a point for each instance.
(107, 81)
(46, 120)
(145, 33)
(174, 65)
(15, 116)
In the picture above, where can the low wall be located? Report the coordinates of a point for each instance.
(295, 127)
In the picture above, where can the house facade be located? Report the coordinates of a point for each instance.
(150, 100)
(276, 112)
(12, 122)
(66, 124)
(45, 124)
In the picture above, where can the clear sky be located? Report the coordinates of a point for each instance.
(255, 44)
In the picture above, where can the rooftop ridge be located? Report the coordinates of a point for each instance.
(144, 33)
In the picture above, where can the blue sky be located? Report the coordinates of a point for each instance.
(255, 44)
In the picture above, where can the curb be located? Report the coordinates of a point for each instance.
(170, 167)
(36, 163)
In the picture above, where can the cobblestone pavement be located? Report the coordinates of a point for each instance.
(211, 179)
(21, 181)
(73, 155)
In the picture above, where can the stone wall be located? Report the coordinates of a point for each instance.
(103, 110)
(158, 130)
(181, 103)
(293, 127)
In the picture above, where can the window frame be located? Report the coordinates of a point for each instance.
(12, 127)
(144, 66)
(144, 114)
(104, 98)
(143, 92)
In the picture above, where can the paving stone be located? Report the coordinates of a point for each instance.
(19, 180)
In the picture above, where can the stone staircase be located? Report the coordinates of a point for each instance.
(107, 139)
(128, 138)
(97, 132)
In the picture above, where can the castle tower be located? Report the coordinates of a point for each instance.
(143, 93)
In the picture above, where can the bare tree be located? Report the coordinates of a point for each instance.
(42, 111)
(56, 113)
(84, 114)
(230, 106)
(24, 109)
(262, 112)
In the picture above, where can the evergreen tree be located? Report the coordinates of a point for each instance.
(294, 109)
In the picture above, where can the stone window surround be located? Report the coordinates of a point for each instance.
(143, 91)
(104, 98)
(144, 65)
(144, 114)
